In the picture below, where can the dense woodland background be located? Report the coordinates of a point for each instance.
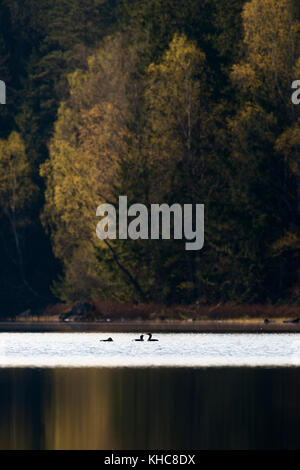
(183, 101)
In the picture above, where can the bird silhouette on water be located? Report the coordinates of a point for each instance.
(141, 338)
(150, 337)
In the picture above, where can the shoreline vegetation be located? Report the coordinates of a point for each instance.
(122, 317)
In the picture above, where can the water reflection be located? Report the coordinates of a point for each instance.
(150, 408)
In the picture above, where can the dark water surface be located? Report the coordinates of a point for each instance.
(151, 408)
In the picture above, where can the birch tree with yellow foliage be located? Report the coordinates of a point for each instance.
(89, 143)
(177, 113)
(264, 134)
(17, 191)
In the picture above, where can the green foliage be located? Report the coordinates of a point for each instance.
(164, 101)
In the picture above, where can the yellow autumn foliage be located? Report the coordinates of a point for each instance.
(16, 187)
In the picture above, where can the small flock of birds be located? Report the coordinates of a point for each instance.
(141, 338)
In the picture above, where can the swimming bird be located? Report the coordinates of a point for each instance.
(141, 338)
(107, 340)
(150, 337)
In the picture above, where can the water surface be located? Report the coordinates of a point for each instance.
(154, 408)
(185, 392)
(172, 350)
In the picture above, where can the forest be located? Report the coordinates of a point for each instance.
(164, 101)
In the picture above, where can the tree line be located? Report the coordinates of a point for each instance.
(165, 101)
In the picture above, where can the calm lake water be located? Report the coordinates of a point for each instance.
(178, 349)
(69, 391)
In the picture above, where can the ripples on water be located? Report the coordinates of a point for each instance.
(179, 349)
